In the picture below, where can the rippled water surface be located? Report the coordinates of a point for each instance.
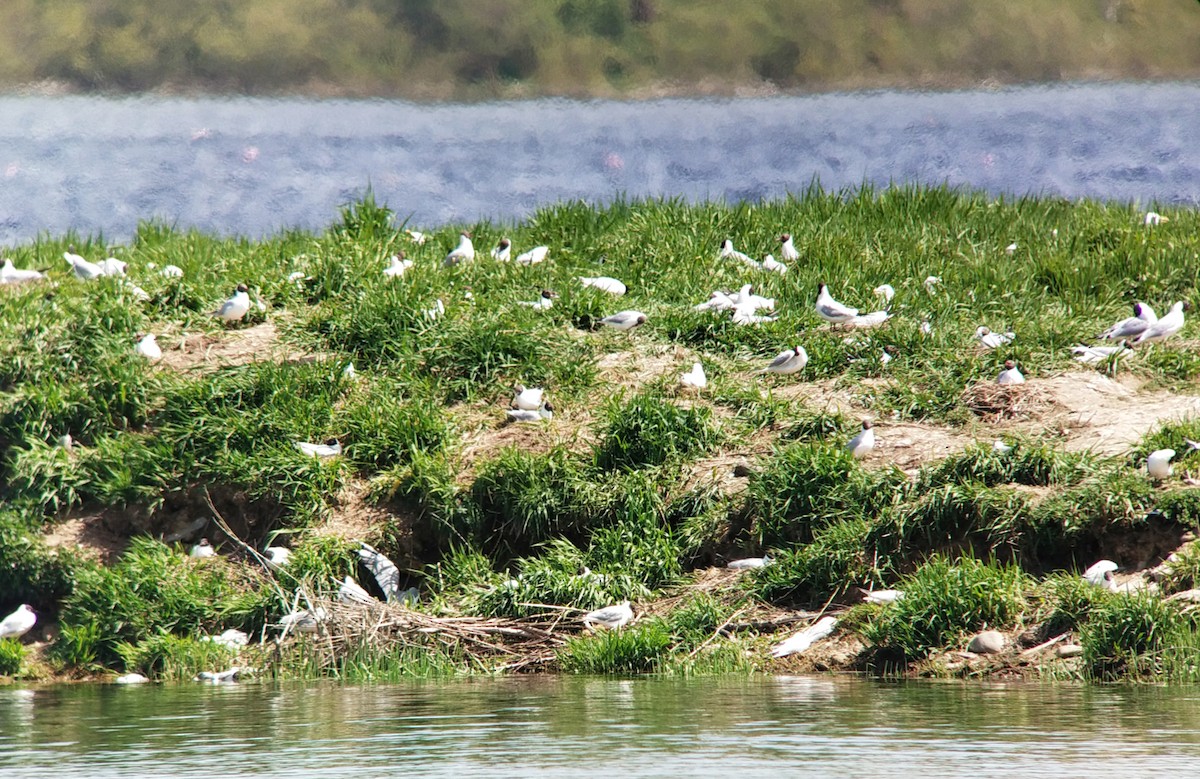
(813, 727)
(251, 166)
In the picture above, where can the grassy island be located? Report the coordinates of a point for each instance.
(981, 503)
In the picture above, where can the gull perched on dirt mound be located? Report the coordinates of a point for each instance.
(1011, 374)
(788, 361)
(464, 252)
(1131, 327)
(861, 445)
(18, 623)
(830, 310)
(528, 398)
(624, 320)
(237, 306)
(611, 617)
(203, 549)
(545, 411)
(1168, 325)
(801, 641)
(148, 347)
(604, 284)
(1101, 575)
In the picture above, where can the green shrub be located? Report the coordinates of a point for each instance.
(649, 431)
(838, 558)
(1124, 634)
(12, 657)
(635, 649)
(177, 658)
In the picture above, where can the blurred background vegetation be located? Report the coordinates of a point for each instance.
(464, 49)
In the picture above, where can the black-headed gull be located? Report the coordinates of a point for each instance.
(931, 284)
(830, 310)
(745, 315)
(885, 291)
(203, 549)
(131, 678)
(437, 312)
(717, 301)
(353, 592)
(1158, 464)
(386, 574)
(528, 398)
(989, 340)
(232, 639)
(304, 620)
(1100, 574)
(83, 269)
(861, 445)
(694, 378)
(545, 300)
(1011, 248)
(331, 448)
(417, 237)
(882, 596)
(1167, 325)
(1010, 375)
(18, 623)
(464, 252)
(624, 320)
(113, 267)
(748, 563)
(1132, 327)
(1091, 355)
(869, 320)
(171, 272)
(730, 253)
(787, 249)
(604, 284)
(277, 556)
(148, 347)
(788, 361)
(397, 265)
(545, 411)
(534, 256)
(229, 676)
(611, 617)
(10, 274)
(772, 265)
(1153, 219)
(502, 251)
(801, 641)
(235, 307)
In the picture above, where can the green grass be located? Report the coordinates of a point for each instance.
(634, 479)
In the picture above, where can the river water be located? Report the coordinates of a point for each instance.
(559, 727)
(253, 167)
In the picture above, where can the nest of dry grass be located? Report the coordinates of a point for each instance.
(995, 402)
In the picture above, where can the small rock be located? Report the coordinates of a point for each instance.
(1029, 638)
(989, 642)
(1069, 650)
(742, 470)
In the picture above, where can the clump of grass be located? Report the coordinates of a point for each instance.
(176, 658)
(12, 657)
(30, 572)
(649, 431)
(943, 600)
(636, 649)
(838, 558)
(1124, 635)
(1034, 465)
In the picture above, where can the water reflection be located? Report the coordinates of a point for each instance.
(252, 166)
(568, 726)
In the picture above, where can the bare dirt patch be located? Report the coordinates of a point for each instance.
(240, 346)
(88, 535)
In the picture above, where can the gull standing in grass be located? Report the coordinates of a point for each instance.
(1153, 219)
(417, 237)
(832, 311)
(1168, 325)
(545, 411)
(83, 269)
(931, 284)
(13, 275)
(1158, 464)
(772, 265)
(885, 291)
(148, 347)
(999, 447)
(748, 563)
(1101, 575)
(277, 556)
(695, 378)
(397, 265)
(113, 267)
(1131, 327)
(989, 340)
(717, 301)
(861, 445)
(624, 320)
(235, 307)
(730, 253)
(788, 361)
(544, 301)
(18, 623)
(464, 252)
(801, 641)
(872, 319)
(203, 549)
(171, 272)
(331, 448)
(534, 256)
(604, 284)
(438, 310)
(610, 617)
(528, 398)
(882, 596)
(1010, 375)
(502, 251)
(787, 249)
